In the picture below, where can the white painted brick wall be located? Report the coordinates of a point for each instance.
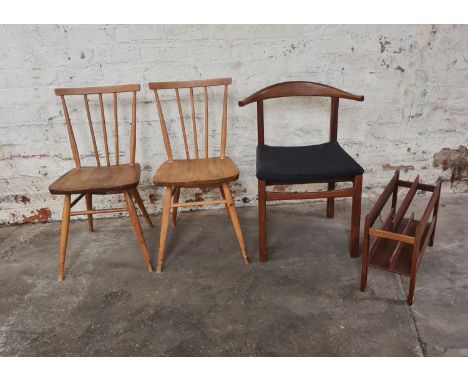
(414, 78)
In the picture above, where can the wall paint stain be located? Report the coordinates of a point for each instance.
(279, 188)
(29, 156)
(402, 167)
(153, 198)
(22, 199)
(42, 215)
(455, 160)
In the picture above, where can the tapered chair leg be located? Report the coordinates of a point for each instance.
(89, 206)
(224, 197)
(412, 286)
(64, 236)
(434, 216)
(235, 221)
(355, 217)
(365, 255)
(137, 227)
(142, 207)
(164, 225)
(262, 240)
(331, 202)
(174, 209)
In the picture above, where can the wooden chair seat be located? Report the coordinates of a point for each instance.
(96, 180)
(196, 172)
(305, 163)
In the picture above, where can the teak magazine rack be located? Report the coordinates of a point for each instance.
(400, 243)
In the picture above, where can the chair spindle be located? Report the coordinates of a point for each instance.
(182, 124)
(206, 121)
(74, 147)
(91, 130)
(133, 132)
(224, 123)
(194, 124)
(116, 131)
(167, 142)
(104, 130)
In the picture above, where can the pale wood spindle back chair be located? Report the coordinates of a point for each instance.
(102, 178)
(324, 163)
(197, 169)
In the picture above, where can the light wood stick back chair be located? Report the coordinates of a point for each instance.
(101, 178)
(197, 169)
(324, 163)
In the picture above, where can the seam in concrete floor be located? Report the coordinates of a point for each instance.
(411, 314)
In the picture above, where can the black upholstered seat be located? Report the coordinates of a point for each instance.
(305, 163)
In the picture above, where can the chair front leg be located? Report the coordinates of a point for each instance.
(355, 217)
(137, 228)
(64, 236)
(231, 207)
(262, 241)
(164, 225)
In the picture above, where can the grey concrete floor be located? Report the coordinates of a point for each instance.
(304, 301)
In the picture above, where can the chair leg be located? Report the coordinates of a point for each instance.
(235, 221)
(141, 206)
(434, 216)
(175, 199)
(224, 197)
(262, 241)
(355, 217)
(412, 286)
(137, 227)
(89, 206)
(331, 202)
(164, 225)
(64, 236)
(365, 255)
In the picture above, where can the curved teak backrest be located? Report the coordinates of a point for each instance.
(176, 85)
(99, 91)
(299, 89)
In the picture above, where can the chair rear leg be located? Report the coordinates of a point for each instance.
(355, 217)
(89, 206)
(230, 205)
(164, 225)
(262, 241)
(175, 199)
(331, 202)
(142, 207)
(64, 236)
(137, 228)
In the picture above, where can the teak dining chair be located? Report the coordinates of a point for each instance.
(100, 179)
(323, 163)
(195, 170)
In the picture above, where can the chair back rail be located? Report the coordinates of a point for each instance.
(100, 91)
(191, 85)
(299, 89)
